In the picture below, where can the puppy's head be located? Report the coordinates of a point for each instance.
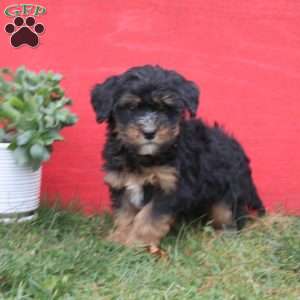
(144, 106)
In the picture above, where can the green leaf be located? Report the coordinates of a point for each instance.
(32, 105)
(16, 103)
(21, 156)
(39, 152)
(2, 135)
(24, 138)
(50, 137)
(71, 119)
(61, 116)
(13, 145)
(57, 77)
(8, 111)
(35, 164)
(49, 121)
(61, 103)
(20, 73)
(39, 99)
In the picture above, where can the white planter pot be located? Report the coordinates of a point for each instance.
(19, 189)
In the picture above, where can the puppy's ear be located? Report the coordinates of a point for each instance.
(102, 98)
(190, 96)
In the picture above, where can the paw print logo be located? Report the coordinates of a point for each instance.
(24, 32)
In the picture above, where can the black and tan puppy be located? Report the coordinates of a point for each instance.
(161, 163)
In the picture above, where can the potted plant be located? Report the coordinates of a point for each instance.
(32, 113)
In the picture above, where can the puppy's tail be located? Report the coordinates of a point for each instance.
(255, 202)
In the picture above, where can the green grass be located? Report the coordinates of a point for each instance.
(64, 256)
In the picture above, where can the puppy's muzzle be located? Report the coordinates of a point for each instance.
(149, 135)
(148, 125)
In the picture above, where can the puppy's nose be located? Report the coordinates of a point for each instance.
(149, 135)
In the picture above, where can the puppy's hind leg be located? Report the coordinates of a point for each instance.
(241, 215)
(222, 216)
(254, 201)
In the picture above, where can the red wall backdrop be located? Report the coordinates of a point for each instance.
(245, 56)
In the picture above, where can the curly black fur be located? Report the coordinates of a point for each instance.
(211, 165)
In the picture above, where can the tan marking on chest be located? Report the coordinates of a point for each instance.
(163, 176)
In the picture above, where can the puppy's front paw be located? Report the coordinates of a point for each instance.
(137, 239)
(117, 237)
(158, 252)
(133, 242)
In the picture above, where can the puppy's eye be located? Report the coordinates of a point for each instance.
(163, 107)
(131, 107)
